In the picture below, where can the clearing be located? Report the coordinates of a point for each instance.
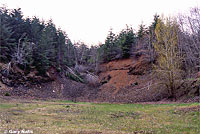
(65, 117)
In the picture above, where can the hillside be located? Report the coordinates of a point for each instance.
(129, 80)
(124, 80)
(132, 80)
(159, 61)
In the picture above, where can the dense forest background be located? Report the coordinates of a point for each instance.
(172, 43)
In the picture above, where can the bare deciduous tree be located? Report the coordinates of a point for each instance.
(189, 39)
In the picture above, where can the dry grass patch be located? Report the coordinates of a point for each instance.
(65, 117)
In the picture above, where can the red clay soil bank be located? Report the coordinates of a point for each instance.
(123, 73)
(117, 74)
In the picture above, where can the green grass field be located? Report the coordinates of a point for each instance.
(63, 117)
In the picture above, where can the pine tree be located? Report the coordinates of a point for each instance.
(16, 22)
(141, 31)
(36, 29)
(126, 40)
(34, 43)
(7, 43)
(61, 48)
(109, 49)
(69, 55)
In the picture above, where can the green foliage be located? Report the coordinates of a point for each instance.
(141, 32)
(155, 22)
(7, 43)
(91, 118)
(7, 94)
(75, 78)
(126, 40)
(110, 48)
(82, 53)
(32, 42)
(151, 30)
(117, 46)
(169, 61)
(69, 54)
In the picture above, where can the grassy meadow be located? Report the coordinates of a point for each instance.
(64, 117)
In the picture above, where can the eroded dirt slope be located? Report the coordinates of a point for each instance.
(114, 75)
(123, 73)
(125, 80)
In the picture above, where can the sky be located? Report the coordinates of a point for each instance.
(90, 20)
